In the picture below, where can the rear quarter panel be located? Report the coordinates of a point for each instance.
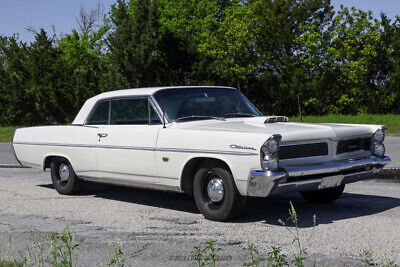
(33, 144)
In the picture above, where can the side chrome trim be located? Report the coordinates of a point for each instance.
(130, 183)
(203, 151)
(51, 144)
(177, 150)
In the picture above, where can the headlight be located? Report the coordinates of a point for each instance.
(271, 146)
(269, 153)
(378, 136)
(378, 149)
(270, 162)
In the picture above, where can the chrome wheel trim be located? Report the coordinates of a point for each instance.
(215, 189)
(63, 172)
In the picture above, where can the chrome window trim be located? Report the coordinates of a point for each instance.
(109, 111)
(85, 123)
(158, 110)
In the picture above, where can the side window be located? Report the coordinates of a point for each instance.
(154, 118)
(129, 111)
(100, 114)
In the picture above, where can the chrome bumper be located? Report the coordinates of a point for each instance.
(313, 177)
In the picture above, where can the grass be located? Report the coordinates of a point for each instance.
(6, 133)
(392, 121)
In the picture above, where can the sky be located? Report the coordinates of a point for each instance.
(16, 15)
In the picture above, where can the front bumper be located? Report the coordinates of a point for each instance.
(263, 183)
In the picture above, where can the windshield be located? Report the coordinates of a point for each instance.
(204, 103)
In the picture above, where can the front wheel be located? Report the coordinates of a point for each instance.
(64, 178)
(215, 192)
(326, 195)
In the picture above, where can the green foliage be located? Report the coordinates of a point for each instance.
(207, 255)
(116, 254)
(274, 258)
(6, 134)
(301, 254)
(368, 257)
(61, 245)
(274, 51)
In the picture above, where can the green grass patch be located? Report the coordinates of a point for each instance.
(392, 121)
(6, 133)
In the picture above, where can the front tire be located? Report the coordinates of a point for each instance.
(215, 192)
(64, 178)
(323, 196)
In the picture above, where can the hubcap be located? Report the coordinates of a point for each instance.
(215, 189)
(63, 172)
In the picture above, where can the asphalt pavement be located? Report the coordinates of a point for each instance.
(161, 229)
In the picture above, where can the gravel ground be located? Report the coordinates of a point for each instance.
(6, 154)
(159, 228)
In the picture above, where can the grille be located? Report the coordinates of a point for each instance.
(351, 145)
(303, 150)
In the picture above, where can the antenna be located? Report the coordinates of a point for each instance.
(162, 109)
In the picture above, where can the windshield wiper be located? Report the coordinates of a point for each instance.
(199, 117)
(239, 114)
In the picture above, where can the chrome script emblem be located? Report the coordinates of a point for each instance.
(241, 147)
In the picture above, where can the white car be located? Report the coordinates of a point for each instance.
(210, 142)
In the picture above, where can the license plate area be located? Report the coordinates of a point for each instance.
(331, 181)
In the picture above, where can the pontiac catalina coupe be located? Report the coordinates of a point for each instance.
(209, 142)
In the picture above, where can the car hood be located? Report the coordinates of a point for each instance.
(290, 131)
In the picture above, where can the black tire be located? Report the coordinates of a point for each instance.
(232, 203)
(323, 196)
(70, 187)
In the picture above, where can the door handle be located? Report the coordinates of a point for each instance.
(102, 135)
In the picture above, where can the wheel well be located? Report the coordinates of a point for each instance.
(48, 160)
(190, 169)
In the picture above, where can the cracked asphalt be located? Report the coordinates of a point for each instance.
(160, 228)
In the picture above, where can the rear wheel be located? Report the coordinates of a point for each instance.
(64, 178)
(326, 195)
(215, 192)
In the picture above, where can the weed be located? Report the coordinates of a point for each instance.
(206, 255)
(62, 247)
(197, 255)
(389, 263)
(367, 256)
(276, 258)
(255, 257)
(116, 255)
(301, 254)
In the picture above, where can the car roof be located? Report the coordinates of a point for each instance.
(87, 107)
(147, 91)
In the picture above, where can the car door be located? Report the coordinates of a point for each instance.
(126, 145)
